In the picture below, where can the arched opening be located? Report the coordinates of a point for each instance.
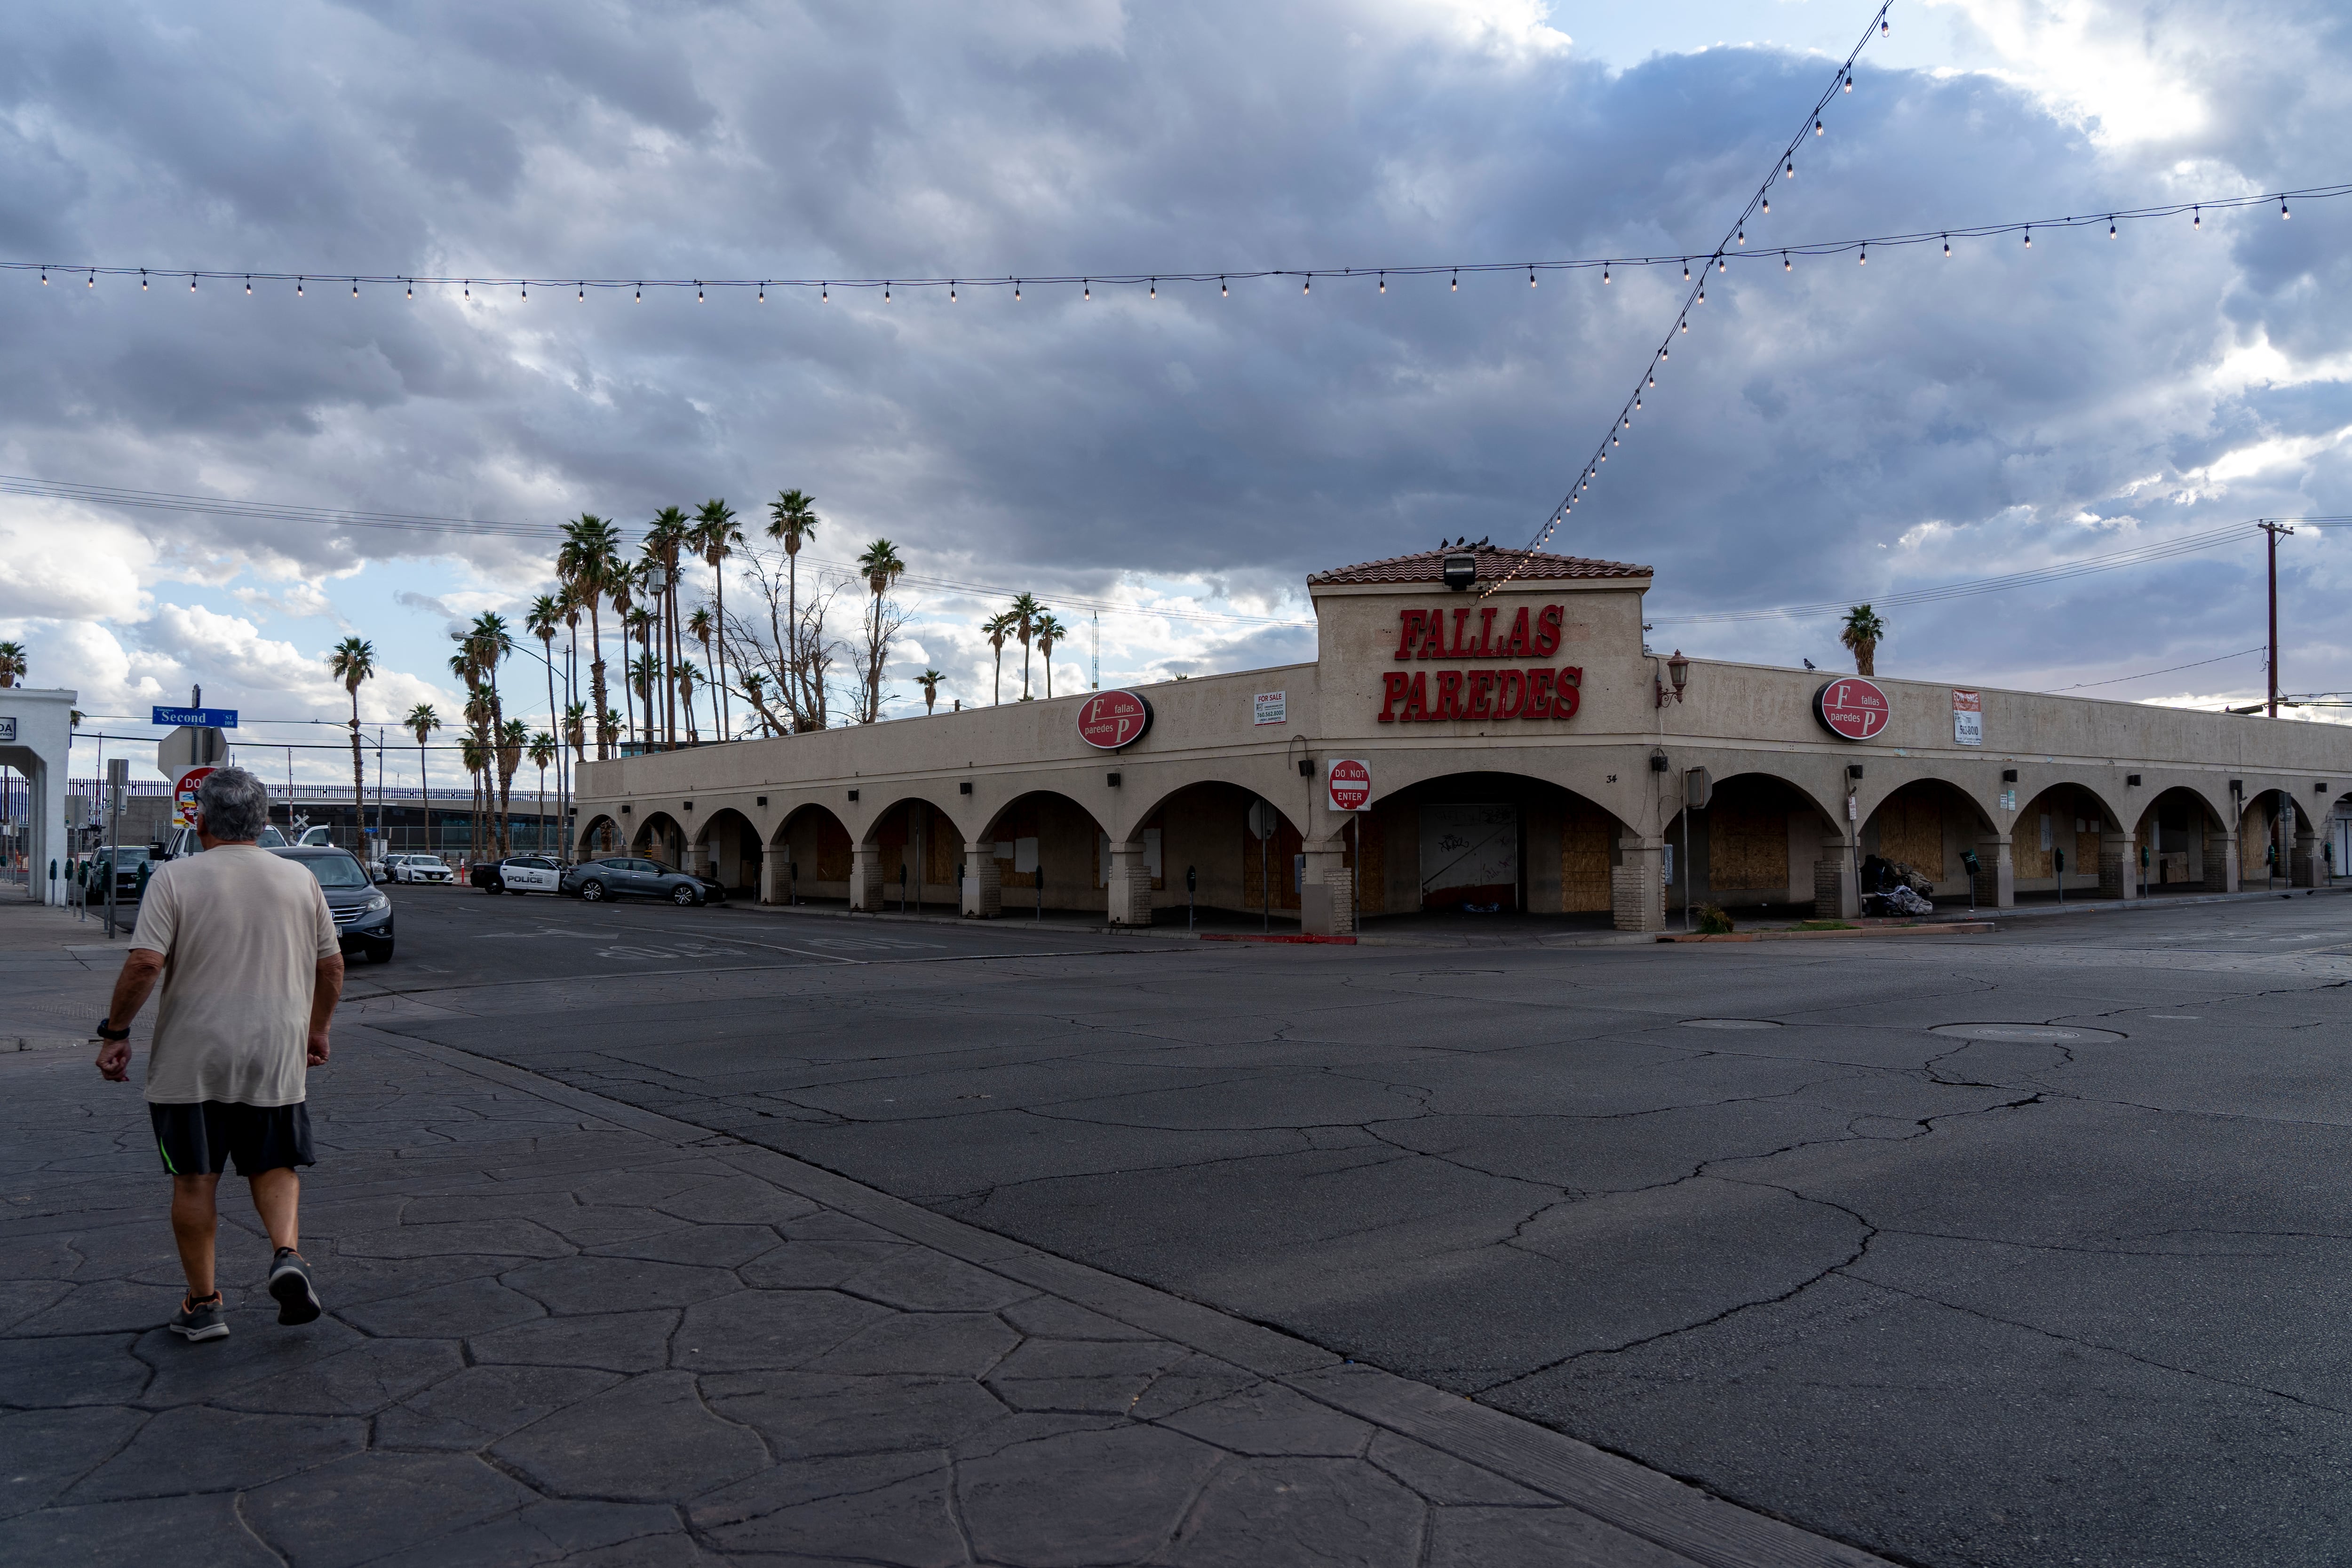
(919, 853)
(812, 846)
(1927, 829)
(2056, 843)
(2173, 841)
(2283, 842)
(730, 849)
(1754, 846)
(600, 836)
(1205, 851)
(1050, 853)
(659, 837)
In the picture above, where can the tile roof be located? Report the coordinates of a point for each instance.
(1493, 561)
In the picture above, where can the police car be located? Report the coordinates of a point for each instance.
(525, 874)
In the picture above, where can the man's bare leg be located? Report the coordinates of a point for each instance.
(194, 1221)
(275, 1194)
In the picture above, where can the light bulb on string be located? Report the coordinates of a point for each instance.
(1768, 204)
(1792, 171)
(1309, 286)
(1743, 237)
(355, 288)
(1862, 260)
(1718, 263)
(2111, 226)
(2028, 237)
(2196, 217)
(1947, 245)
(1384, 282)
(886, 291)
(763, 300)
(1016, 290)
(526, 293)
(1605, 272)
(142, 280)
(641, 291)
(2283, 211)
(824, 292)
(1702, 293)
(1882, 25)
(412, 288)
(1849, 81)
(1531, 277)
(91, 281)
(1085, 288)
(697, 291)
(1686, 269)
(1817, 128)
(1684, 323)
(192, 282)
(1456, 289)
(248, 284)
(1785, 265)
(1223, 292)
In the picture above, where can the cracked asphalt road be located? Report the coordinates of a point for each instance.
(2024, 1300)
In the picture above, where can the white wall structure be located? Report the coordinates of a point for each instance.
(37, 740)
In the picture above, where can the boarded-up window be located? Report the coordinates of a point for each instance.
(1911, 831)
(1279, 868)
(832, 855)
(1584, 835)
(1748, 843)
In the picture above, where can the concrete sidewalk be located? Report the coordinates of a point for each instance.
(562, 1329)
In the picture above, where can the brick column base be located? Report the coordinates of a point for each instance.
(1997, 872)
(1128, 901)
(2118, 865)
(1835, 895)
(1325, 896)
(1637, 892)
(2220, 862)
(865, 878)
(772, 875)
(981, 896)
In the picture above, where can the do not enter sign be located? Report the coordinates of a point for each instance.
(184, 796)
(1349, 783)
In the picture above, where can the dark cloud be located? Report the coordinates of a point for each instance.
(1835, 429)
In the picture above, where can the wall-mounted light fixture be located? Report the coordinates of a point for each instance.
(853, 795)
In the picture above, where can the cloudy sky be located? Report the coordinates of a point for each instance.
(1833, 432)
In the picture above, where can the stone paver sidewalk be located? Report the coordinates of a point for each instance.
(565, 1329)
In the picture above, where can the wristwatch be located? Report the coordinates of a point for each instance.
(107, 1031)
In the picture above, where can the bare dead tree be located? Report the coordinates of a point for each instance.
(870, 658)
(795, 662)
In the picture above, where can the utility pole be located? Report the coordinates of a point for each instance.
(2273, 529)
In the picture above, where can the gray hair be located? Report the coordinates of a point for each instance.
(235, 805)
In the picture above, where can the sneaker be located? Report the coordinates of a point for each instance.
(205, 1319)
(289, 1282)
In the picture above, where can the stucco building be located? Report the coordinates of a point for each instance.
(1525, 750)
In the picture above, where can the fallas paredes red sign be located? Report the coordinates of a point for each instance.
(1852, 708)
(1479, 633)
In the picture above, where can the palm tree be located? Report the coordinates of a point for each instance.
(792, 519)
(1025, 611)
(755, 691)
(688, 677)
(667, 538)
(1049, 632)
(421, 722)
(930, 681)
(546, 614)
(638, 624)
(642, 675)
(702, 626)
(716, 536)
(1862, 632)
(879, 560)
(12, 663)
(998, 627)
(543, 750)
(514, 735)
(351, 661)
(586, 562)
(477, 758)
(622, 587)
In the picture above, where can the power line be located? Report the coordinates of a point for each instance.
(1734, 248)
(337, 517)
(2144, 674)
(2082, 565)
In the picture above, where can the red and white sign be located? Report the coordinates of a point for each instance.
(1852, 708)
(1968, 718)
(1348, 783)
(184, 796)
(1110, 720)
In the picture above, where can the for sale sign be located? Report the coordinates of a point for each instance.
(1349, 783)
(1852, 709)
(1968, 718)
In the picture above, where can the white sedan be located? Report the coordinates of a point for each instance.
(416, 868)
(529, 874)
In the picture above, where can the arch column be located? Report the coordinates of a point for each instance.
(1130, 901)
(865, 878)
(771, 874)
(1326, 904)
(2221, 861)
(983, 895)
(1997, 871)
(2118, 865)
(1637, 889)
(696, 859)
(2305, 868)
(1836, 894)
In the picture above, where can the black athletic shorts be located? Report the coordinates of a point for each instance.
(200, 1139)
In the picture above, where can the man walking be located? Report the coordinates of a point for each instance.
(246, 948)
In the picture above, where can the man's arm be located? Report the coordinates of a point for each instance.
(324, 994)
(141, 968)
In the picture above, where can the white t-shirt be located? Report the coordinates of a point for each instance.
(241, 932)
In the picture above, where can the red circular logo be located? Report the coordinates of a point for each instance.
(1852, 708)
(1351, 784)
(1110, 720)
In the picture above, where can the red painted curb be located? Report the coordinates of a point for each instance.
(1224, 936)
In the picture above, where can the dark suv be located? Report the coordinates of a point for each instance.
(362, 910)
(595, 879)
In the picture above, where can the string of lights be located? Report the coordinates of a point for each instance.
(1737, 250)
(1783, 167)
(337, 517)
